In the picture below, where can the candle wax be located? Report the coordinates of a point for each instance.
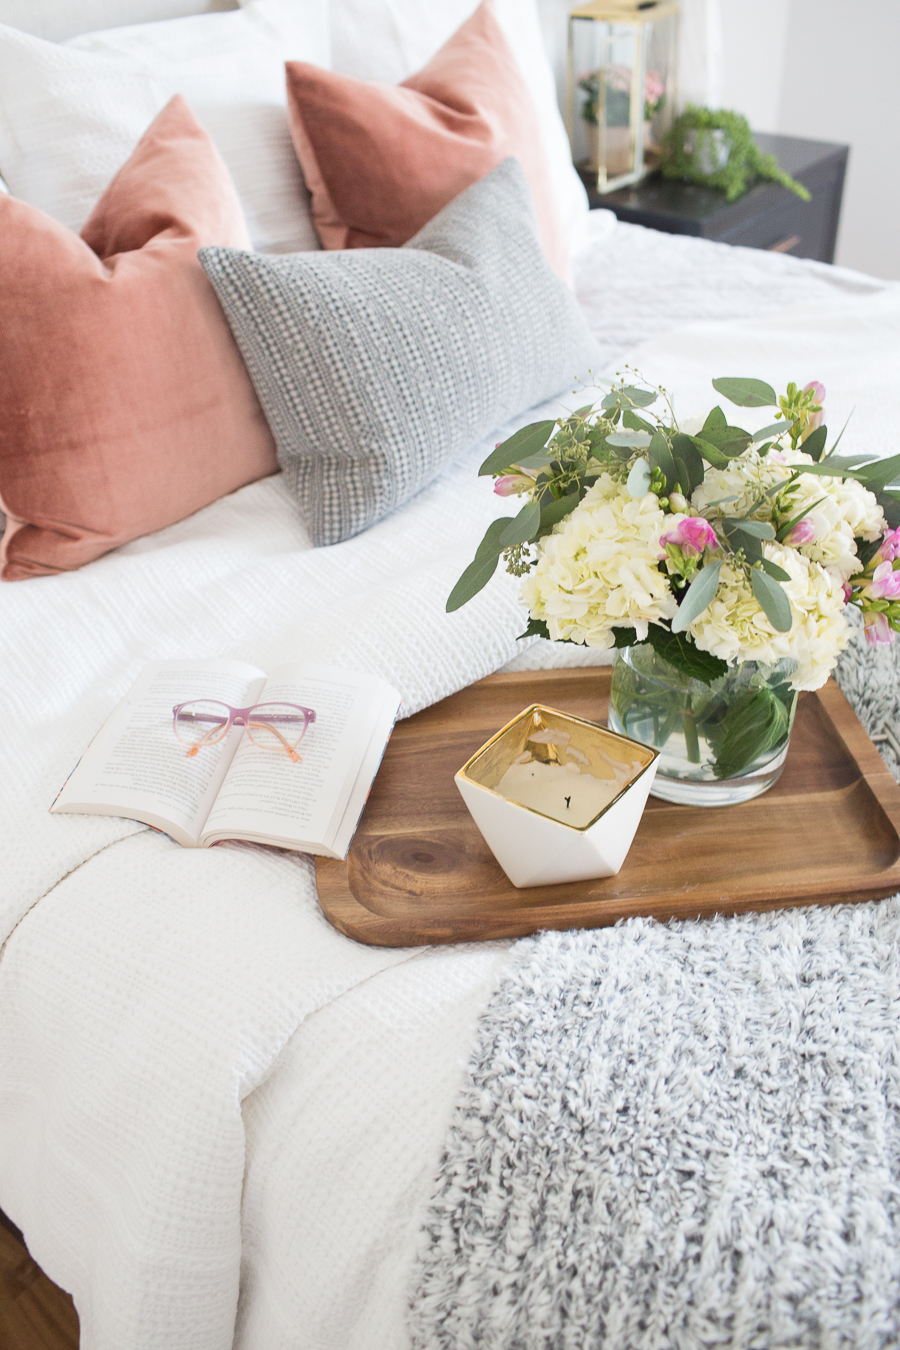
(559, 790)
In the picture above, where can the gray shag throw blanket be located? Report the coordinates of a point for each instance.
(682, 1136)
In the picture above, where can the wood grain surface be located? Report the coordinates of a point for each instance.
(35, 1314)
(419, 871)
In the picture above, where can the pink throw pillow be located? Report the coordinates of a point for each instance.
(125, 403)
(382, 160)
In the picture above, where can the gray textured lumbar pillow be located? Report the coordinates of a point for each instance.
(375, 367)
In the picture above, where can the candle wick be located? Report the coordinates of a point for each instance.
(568, 799)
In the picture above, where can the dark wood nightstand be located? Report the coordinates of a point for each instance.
(768, 216)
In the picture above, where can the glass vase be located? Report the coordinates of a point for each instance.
(718, 743)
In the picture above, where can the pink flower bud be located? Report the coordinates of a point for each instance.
(814, 419)
(692, 534)
(878, 631)
(513, 485)
(889, 548)
(804, 532)
(848, 592)
(885, 583)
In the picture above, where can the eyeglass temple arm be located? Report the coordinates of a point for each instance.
(267, 726)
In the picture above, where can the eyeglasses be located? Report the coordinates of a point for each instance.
(271, 726)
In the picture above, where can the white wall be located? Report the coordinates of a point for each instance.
(826, 70)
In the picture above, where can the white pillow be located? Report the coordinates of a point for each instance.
(71, 113)
(60, 19)
(390, 39)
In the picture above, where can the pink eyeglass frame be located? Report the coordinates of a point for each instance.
(241, 717)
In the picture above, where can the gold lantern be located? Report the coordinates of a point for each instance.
(623, 67)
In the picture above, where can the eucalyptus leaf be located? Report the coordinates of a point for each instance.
(772, 601)
(490, 546)
(556, 510)
(638, 484)
(688, 463)
(715, 418)
(760, 528)
(709, 452)
(775, 430)
(527, 441)
(815, 443)
(890, 505)
(524, 527)
(699, 595)
(681, 653)
(634, 423)
(746, 393)
(730, 441)
(631, 440)
(629, 397)
(474, 579)
(773, 570)
(750, 543)
(660, 457)
(880, 473)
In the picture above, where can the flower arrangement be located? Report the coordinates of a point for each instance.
(618, 95)
(714, 544)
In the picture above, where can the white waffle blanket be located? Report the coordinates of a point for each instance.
(205, 1091)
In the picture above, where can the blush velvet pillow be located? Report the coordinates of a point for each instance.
(382, 160)
(126, 405)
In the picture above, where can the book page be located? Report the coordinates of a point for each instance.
(266, 795)
(136, 767)
(371, 761)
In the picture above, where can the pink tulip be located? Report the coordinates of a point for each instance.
(804, 532)
(889, 548)
(878, 631)
(818, 392)
(692, 535)
(513, 485)
(885, 583)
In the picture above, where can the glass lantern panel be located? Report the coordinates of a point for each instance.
(622, 95)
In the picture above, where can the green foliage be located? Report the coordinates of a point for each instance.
(527, 441)
(717, 149)
(681, 653)
(688, 463)
(755, 722)
(660, 457)
(772, 600)
(814, 444)
(535, 628)
(474, 579)
(700, 594)
(747, 393)
(523, 528)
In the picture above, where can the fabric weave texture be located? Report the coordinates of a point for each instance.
(376, 366)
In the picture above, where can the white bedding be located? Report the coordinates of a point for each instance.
(193, 1064)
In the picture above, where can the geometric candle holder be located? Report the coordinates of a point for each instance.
(557, 798)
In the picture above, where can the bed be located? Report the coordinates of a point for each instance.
(220, 1119)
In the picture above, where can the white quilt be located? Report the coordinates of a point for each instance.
(204, 1089)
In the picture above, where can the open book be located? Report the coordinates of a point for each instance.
(305, 794)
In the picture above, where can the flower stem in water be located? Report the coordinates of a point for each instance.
(691, 741)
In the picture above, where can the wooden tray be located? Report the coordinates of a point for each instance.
(419, 871)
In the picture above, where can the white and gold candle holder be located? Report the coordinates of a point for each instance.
(557, 798)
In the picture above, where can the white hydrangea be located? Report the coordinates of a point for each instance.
(734, 627)
(844, 508)
(599, 568)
